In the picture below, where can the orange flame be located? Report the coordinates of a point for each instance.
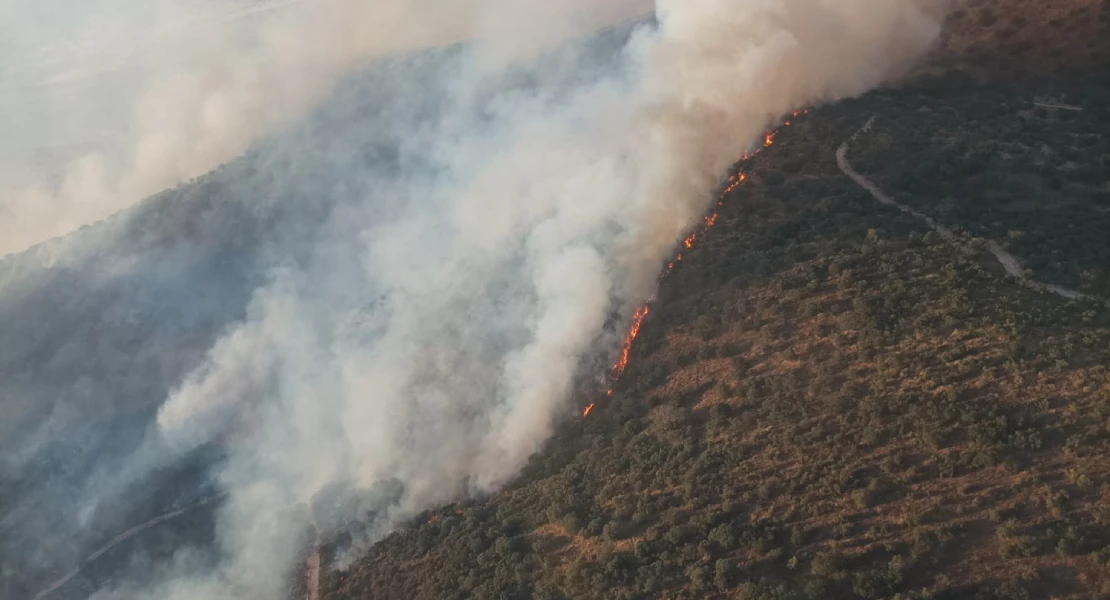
(711, 220)
(637, 319)
(735, 183)
(586, 411)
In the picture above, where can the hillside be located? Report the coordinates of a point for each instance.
(999, 39)
(828, 399)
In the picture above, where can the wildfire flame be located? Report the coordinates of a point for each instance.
(622, 362)
(711, 220)
(734, 182)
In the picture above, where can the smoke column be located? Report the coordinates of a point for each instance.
(426, 346)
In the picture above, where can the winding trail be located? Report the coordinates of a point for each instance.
(312, 575)
(119, 539)
(1008, 261)
(312, 566)
(1058, 106)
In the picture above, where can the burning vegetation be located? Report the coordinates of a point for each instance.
(622, 362)
(732, 183)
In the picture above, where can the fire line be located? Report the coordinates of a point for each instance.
(734, 182)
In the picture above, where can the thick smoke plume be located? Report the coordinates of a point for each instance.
(426, 344)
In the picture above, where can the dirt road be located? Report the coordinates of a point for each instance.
(1008, 261)
(312, 576)
(119, 539)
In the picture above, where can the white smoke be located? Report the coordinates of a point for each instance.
(105, 102)
(441, 357)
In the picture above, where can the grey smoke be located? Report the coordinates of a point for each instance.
(415, 338)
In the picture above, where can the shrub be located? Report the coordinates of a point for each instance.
(828, 565)
(725, 574)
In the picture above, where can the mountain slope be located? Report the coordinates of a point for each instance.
(1007, 38)
(826, 399)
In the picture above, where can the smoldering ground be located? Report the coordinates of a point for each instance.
(384, 308)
